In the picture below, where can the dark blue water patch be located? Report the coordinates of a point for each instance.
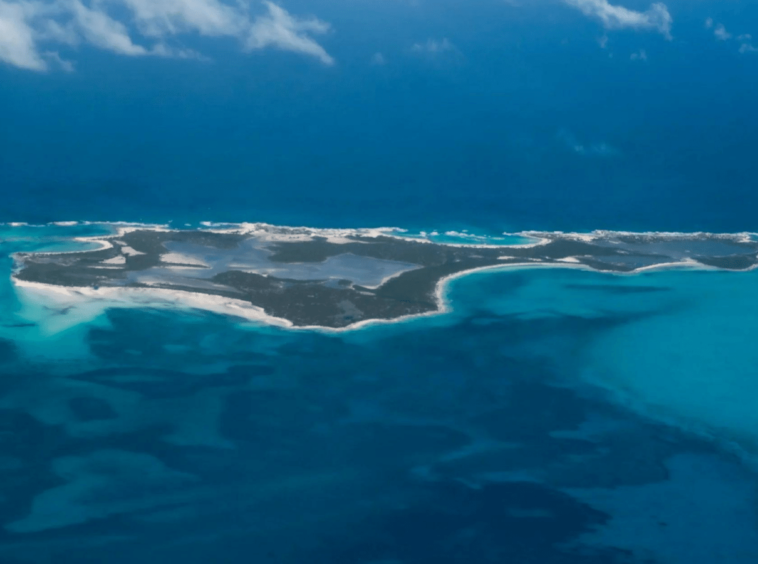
(158, 383)
(91, 409)
(8, 352)
(157, 338)
(450, 523)
(538, 412)
(143, 331)
(27, 446)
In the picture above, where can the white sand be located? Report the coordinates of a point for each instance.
(84, 304)
(178, 258)
(128, 251)
(686, 263)
(390, 277)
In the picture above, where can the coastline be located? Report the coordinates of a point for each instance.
(130, 297)
(126, 296)
(161, 297)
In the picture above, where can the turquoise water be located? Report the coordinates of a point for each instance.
(467, 237)
(684, 352)
(554, 415)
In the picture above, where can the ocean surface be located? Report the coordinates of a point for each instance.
(524, 123)
(553, 416)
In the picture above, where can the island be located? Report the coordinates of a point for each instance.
(339, 279)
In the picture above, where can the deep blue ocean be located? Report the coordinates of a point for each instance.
(554, 416)
(483, 137)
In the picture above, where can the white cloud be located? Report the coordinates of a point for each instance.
(596, 149)
(434, 47)
(721, 33)
(656, 18)
(746, 44)
(745, 40)
(17, 45)
(28, 28)
(158, 18)
(57, 60)
(640, 55)
(102, 31)
(593, 150)
(378, 59)
(280, 30)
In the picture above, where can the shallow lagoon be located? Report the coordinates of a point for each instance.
(539, 421)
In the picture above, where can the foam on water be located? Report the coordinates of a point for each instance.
(468, 238)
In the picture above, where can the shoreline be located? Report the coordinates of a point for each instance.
(249, 312)
(594, 251)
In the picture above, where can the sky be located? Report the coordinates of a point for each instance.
(495, 114)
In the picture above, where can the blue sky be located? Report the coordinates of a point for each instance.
(492, 113)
